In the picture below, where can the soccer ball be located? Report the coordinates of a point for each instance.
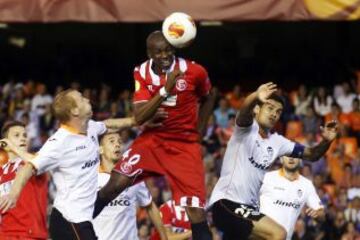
(179, 29)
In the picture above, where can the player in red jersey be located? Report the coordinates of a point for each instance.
(168, 90)
(28, 219)
(176, 222)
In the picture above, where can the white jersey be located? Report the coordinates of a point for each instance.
(247, 158)
(282, 199)
(118, 219)
(73, 159)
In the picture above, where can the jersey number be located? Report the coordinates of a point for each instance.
(134, 158)
(243, 211)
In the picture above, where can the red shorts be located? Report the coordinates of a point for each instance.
(180, 162)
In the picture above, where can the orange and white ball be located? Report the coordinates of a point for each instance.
(179, 29)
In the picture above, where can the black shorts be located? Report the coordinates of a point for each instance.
(61, 229)
(235, 220)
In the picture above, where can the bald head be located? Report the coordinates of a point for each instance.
(159, 50)
(155, 37)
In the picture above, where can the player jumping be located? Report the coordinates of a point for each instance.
(250, 152)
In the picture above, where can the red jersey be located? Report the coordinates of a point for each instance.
(182, 104)
(28, 218)
(173, 216)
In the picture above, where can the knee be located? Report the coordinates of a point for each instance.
(196, 215)
(278, 233)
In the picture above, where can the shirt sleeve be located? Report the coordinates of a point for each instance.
(286, 147)
(313, 201)
(141, 93)
(203, 82)
(98, 127)
(48, 157)
(166, 214)
(143, 195)
(242, 132)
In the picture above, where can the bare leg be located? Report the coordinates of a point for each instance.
(199, 226)
(266, 228)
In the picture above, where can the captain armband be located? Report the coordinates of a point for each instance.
(298, 151)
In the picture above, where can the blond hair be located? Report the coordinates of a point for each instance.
(62, 105)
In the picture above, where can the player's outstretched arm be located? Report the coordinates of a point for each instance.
(318, 214)
(244, 118)
(145, 111)
(22, 177)
(116, 124)
(155, 217)
(9, 146)
(328, 133)
(116, 184)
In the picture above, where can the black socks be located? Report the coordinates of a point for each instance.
(201, 231)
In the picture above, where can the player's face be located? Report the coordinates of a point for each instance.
(83, 104)
(291, 164)
(18, 136)
(162, 54)
(112, 146)
(269, 113)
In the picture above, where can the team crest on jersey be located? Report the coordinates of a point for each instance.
(181, 85)
(270, 151)
(300, 193)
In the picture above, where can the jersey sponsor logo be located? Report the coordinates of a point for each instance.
(181, 85)
(52, 139)
(80, 147)
(90, 163)
(119, 202)
(294, 204)
(258, 165)
(93, 138)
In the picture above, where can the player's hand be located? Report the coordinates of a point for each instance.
(171, 80)
(330, 131)
(156, 120)
(265, 90)
(6, 202)
(313, 213)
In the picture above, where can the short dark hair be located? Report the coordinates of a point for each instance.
(276, 98)
(101, 137)
(9, 124)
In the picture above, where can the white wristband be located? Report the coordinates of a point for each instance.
(163, 92)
